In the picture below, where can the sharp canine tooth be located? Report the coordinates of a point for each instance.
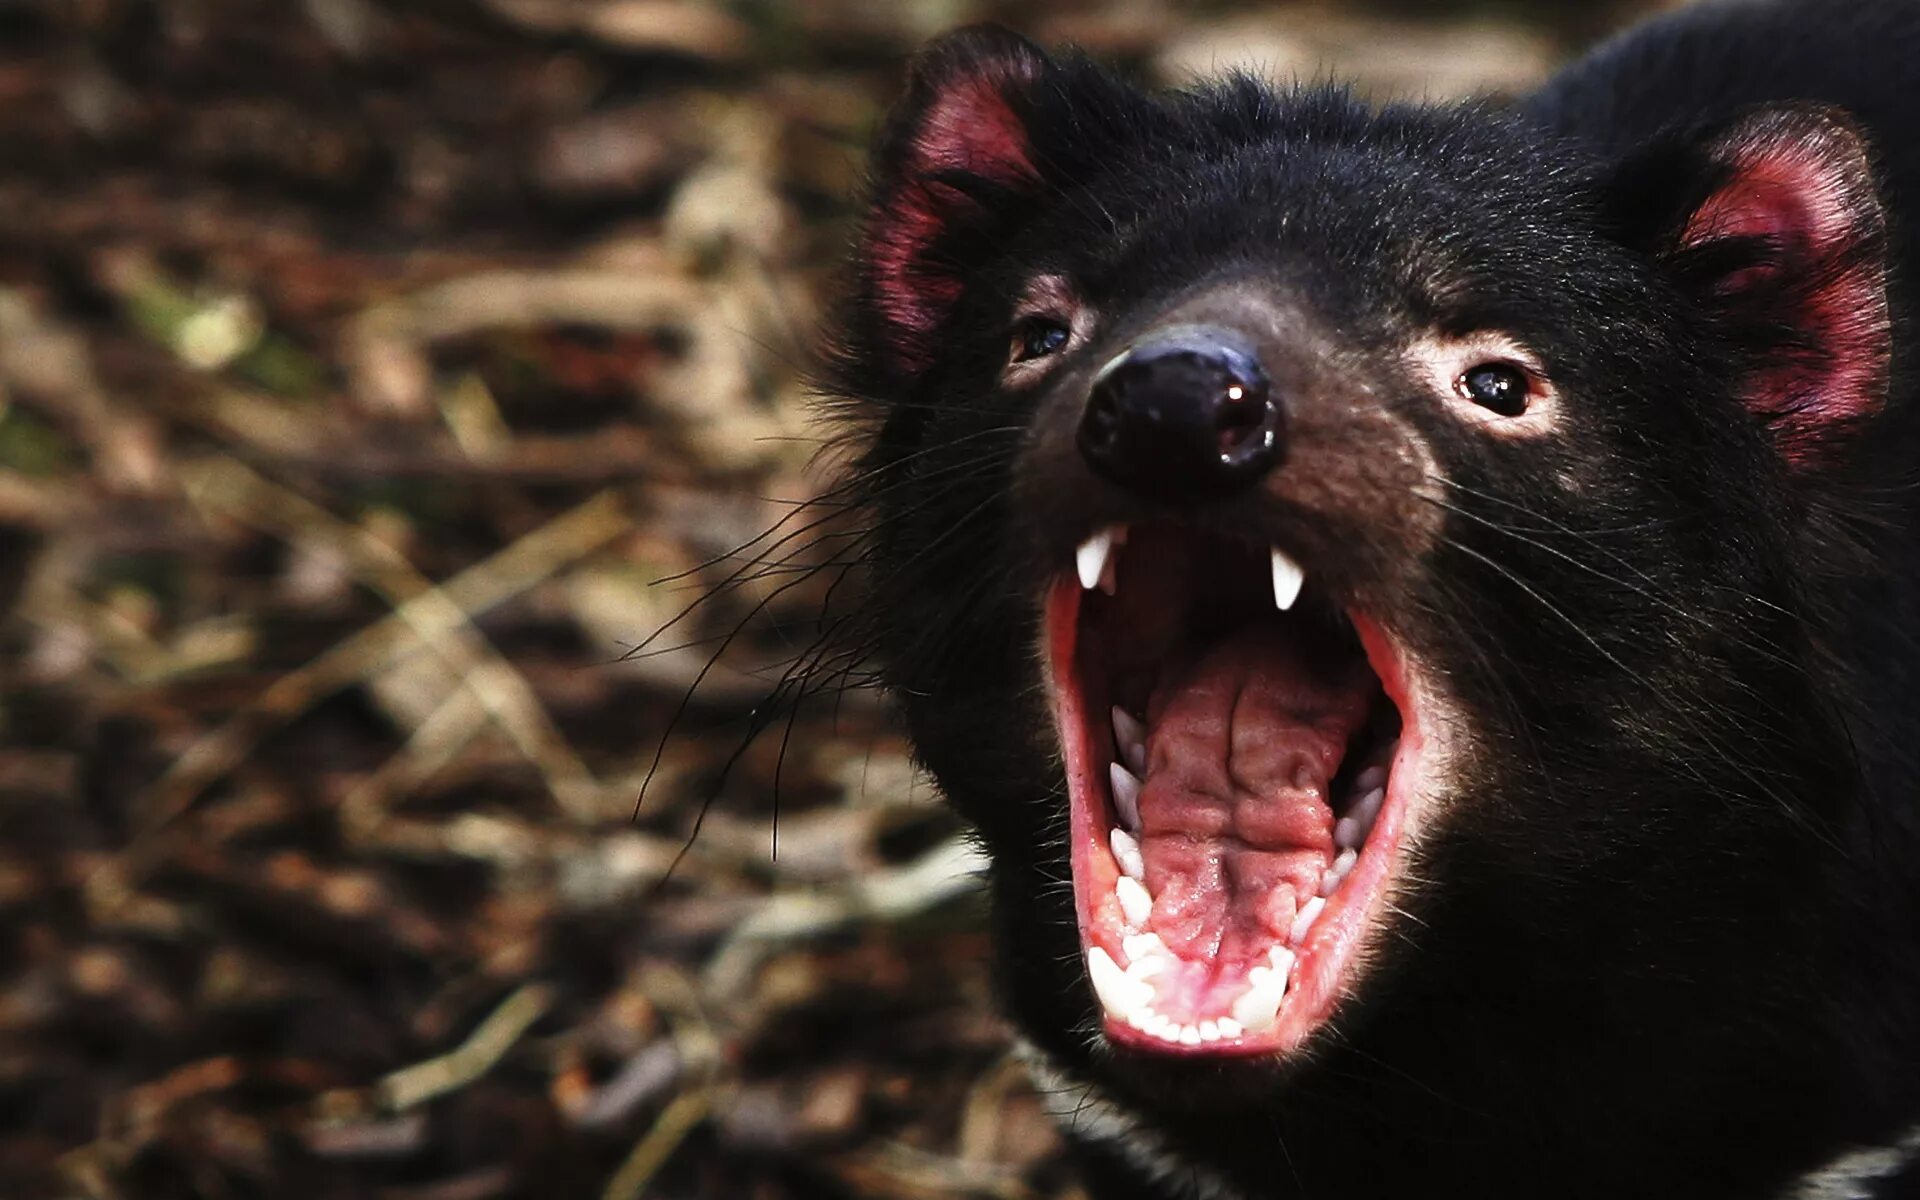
(1126, 854)
(1091, 559)
(1136, 903)
(1126, 795)
(1287, 580)
(1119, 996)
(1130, 737)
(1259, 1006)
(1303, 921)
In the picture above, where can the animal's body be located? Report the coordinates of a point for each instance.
(1495, 532)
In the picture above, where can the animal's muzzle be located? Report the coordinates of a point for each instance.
(1184, 416)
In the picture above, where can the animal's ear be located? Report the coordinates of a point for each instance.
(955, 163)
(1774, 224)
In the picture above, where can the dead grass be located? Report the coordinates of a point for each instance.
(362, 364)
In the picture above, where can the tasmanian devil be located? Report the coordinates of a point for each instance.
(1421, 604)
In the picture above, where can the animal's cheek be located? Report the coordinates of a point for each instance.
(1578, 466)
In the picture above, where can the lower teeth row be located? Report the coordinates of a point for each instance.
(1127, 995)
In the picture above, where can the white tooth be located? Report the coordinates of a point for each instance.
(1371, 778)
(1366, 810)
(1143, 969)
(1143, 948)
(1259, 1006)
(1126, 795)
(1189, 1035)
(1126, 853)
(1282, 960)
(1136, 903)
(1287, 580)
(1229, 1028)
(1303, 920)
(1258, 973)
(1338, 871)
(1091, 559)
(1119, 995)
(1209, 1031)
(1130, 738)
(1347, 833)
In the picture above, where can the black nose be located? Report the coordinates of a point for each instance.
(1184, 417)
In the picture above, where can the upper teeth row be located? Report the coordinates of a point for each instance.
(1093, 562)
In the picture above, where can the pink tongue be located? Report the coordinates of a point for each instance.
(1241, 745)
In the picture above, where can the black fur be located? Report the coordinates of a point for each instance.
(1666, 939)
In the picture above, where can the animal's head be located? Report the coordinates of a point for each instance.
(1351, 565)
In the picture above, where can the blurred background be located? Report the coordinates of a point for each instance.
(379, 382)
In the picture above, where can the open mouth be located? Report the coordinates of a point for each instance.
(1240, 753)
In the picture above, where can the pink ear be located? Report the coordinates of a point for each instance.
(957, 146)
(1795, 221)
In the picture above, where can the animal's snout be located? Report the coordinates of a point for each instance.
(1184, 416)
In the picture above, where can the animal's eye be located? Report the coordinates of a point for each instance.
(1037, 337)
(1496, 386)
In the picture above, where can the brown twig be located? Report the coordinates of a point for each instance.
(413, 1086)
